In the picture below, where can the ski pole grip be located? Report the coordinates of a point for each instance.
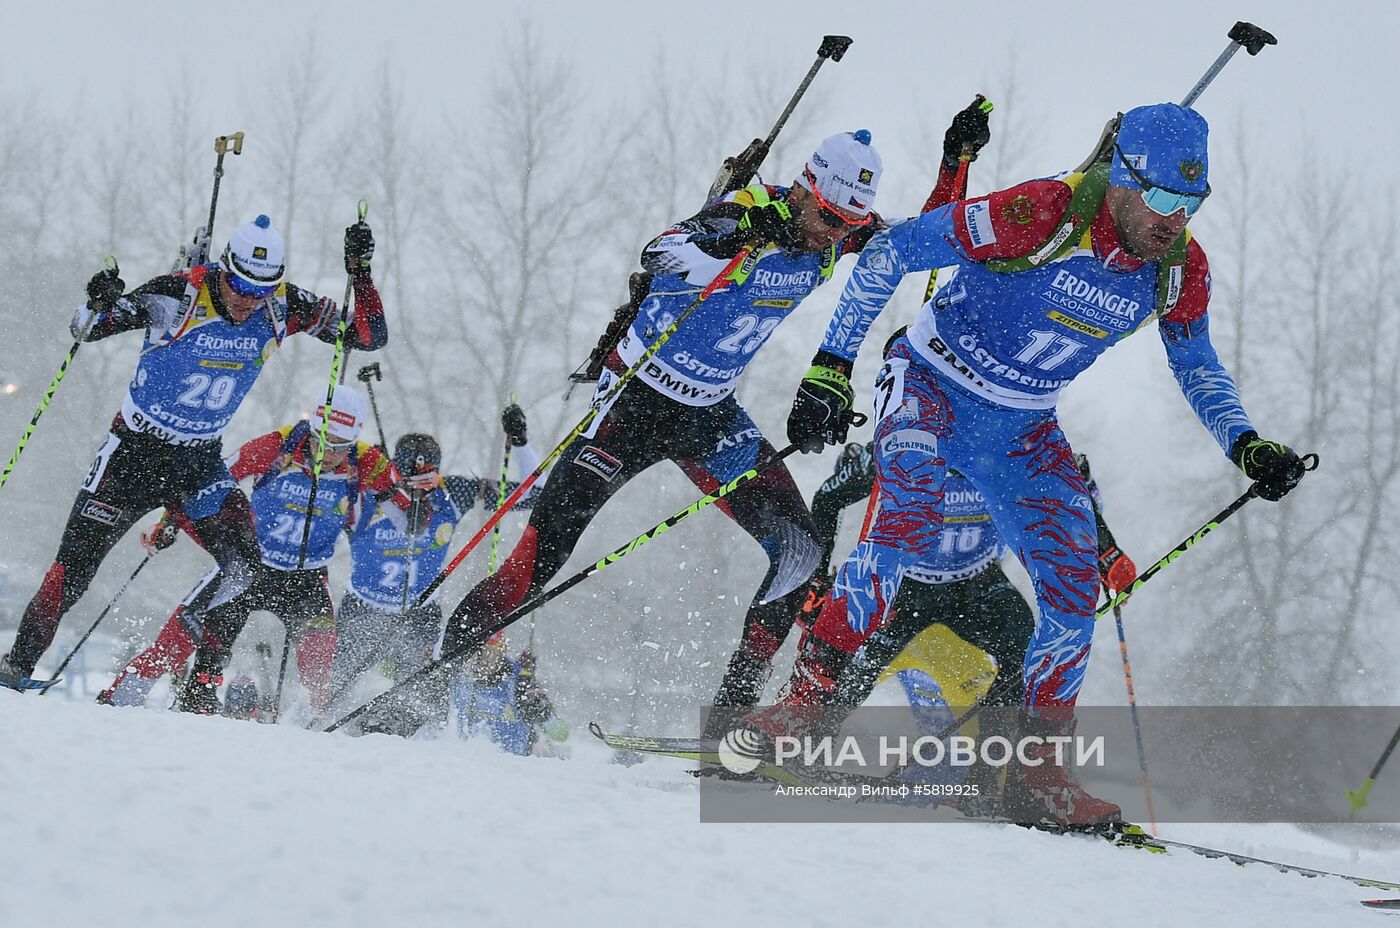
(368, 372)
(834, 46)
(231, 142)
(1251, 37)
(362, 208)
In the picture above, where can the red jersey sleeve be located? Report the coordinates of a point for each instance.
(944, 191)
(378, 475)
(259, 454)
(1010, 223)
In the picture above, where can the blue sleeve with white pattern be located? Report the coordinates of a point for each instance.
(918, 244)
(1205, 383)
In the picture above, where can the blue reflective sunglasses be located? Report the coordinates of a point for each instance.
(1163, 200)
(247, 288)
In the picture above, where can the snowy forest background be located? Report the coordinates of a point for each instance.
(508, 211)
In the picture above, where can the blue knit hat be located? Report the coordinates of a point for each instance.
(1166, 144)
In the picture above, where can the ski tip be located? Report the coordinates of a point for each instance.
(1393, 904)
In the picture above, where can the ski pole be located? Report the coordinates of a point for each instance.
(1357, 797)
(337, 358)
(1310, 462)
(737, 268)
(1132, 708)
(1242, 35)
(738, 171)
(500, 497)
(110, 263)
(478, 636)
(367, 375)
(96, 622)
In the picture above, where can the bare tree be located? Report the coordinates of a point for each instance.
(518, 213)
(1294, 607)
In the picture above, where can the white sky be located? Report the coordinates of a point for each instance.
(1329, 79)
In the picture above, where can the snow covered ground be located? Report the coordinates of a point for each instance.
(129, 817)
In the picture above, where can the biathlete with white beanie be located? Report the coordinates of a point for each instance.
(682, 406)
(209, 331)
(295, 590)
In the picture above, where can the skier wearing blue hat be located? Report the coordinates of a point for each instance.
(1045, 276)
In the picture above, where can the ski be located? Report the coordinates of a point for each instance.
(706, 751)
(702, 750)
(1393, 904)
(1242, 859)
(25, 684)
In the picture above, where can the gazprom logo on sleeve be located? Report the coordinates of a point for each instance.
(979, 223)
(910, 440)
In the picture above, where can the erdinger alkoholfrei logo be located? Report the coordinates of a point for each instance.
(741, 751)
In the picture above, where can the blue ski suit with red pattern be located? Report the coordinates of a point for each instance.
(973, 385)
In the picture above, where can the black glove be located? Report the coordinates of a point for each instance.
(772, 223)
(513, 421)
(104, 289)
(821, 414)
(532, 704)
(969, 130)
(359, 248)
(1274, 467)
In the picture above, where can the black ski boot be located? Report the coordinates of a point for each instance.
(201, 693)
(739, 692)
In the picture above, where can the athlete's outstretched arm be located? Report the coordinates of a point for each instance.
(918, 244)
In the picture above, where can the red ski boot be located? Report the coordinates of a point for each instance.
(1049, 792)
